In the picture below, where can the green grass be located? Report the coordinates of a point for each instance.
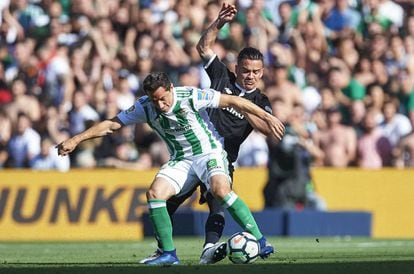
(295, 255)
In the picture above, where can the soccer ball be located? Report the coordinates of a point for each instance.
(243, 248)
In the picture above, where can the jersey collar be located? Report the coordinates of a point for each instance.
(243, 91)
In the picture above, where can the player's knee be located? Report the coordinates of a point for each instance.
(220, 192)
(160, 190)
(154, 194)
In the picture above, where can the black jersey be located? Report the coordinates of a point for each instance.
(231, 124)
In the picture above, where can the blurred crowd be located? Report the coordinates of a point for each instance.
(339, 74)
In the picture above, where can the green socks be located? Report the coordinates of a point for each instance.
(241, 214)
(162, 223)
(163, 227)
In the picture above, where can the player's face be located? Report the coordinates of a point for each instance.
(162, 98)
(249, 72)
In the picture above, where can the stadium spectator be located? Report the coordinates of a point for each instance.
(345, 86)
(24, 144)
(5, 93)
(20, 102)
(14, 29)
(282, 88)
(289, 183)
(405, 93)
(126, 96)
(339, 16)
(258, 29)
(80, 113)
(374, 21)
(337, 141)
(5, 134)
(54, 76)
(375, 101)
(404, 151)
(303, 11)
(47, 159)
(284, 26)
(57, 47)
(253, 151)
(391, 10)
(395, 125)
(374, 149)
(347, 51)
(119, 150)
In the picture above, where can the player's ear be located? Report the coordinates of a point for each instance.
(261, 72)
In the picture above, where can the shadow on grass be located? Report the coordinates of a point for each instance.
(383, 267)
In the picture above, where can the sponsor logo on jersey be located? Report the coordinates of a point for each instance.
(180, 128)
(234, 112)
(203, 95)
(228, 91)
(212, 164)
(131, 109)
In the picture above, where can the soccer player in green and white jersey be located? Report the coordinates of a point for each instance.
(179, 117)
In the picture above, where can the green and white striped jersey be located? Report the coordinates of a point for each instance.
(186, 127)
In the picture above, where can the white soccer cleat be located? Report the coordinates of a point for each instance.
(153, 256)
(214, 253)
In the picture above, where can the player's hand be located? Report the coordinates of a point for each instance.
(226, 13)
(66, 147)
(276, 127)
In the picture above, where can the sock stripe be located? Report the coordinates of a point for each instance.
(229, 199)
(157, 203)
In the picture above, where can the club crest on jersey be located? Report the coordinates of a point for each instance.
(268, 109)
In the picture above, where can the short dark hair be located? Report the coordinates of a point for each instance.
(249, 53)
(155, 80)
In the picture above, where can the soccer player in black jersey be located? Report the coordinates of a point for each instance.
(234, 127)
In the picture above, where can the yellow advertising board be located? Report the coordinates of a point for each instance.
(108, 204)
(78, 205)
(387, 193)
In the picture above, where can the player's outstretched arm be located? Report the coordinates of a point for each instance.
(257, 123)
(208, 38)
(276, 127)
(99, 130)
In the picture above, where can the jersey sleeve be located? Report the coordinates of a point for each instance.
(134, 114)
(264, 103)
(206, 98)
(218, 73)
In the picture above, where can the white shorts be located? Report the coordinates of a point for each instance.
(185, 174)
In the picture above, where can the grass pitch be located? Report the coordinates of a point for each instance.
(294, 255)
